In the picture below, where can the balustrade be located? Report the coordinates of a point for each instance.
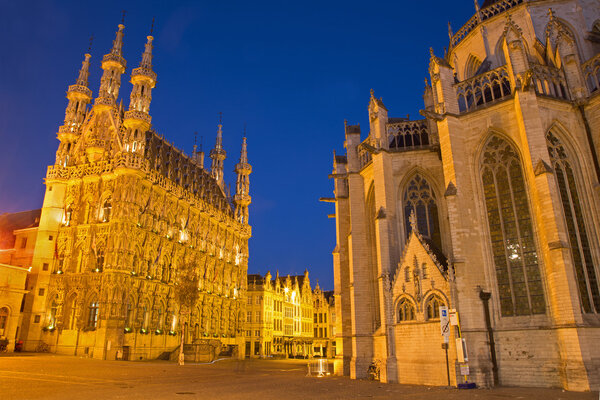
(483, 89)
(408, 135)
(549, 81)
(485, 13)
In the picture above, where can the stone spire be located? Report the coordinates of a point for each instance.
(79, 96)
(242, 197)
(137, 119)
(218, 155)
(113, 65)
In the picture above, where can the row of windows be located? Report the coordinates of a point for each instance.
(103, 216)
(320, 318)
(406, 309)
(512, 239)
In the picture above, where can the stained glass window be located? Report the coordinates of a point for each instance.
(420, 200)
(585, 269)
(514, 251)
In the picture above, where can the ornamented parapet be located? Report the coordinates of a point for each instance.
(114, 58)
(80, 89)
(139, 115)
(547, 81)
(483, 89)
(483, 14)
(408, 135)
(144, 72)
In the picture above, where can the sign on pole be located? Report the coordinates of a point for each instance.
(445, 323)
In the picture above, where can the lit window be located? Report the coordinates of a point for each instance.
(432, 308)
(581, 249)
(419, 199)
(93, 315)
(106, 210)
(406, 310)
(511, 233)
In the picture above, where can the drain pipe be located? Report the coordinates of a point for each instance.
(485, 298)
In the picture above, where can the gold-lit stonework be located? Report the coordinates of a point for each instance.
(123, 209)
(488, 205)
(286, 318)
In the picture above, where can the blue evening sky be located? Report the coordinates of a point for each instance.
(292, 71)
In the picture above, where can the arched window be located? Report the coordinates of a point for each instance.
(129, 314)
(3, 321)
(70, 312)
(432, 307)
(106, 210)
(585, 265)
(472, 65)
(419, 199)
(92, 321)
(424, 271)
(407, 274)
(67, 215)
(99, 260)
(511, 233)
(52, 315)
(159, 318)
(406, 310)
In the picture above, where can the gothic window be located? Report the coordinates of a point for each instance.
(406, 310)
(424, 271)
(432, 307)
(473, 64)
(128, 314)
(3, 320)
(67, 216)
(106, 210)
(419, 199)
(585, 265)
(92, 321)
(71, 312)
(407, 274)
(159, 318)
(52, 316)
(511, 233)
(99, 260)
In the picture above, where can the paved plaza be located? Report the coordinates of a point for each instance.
(46, 376)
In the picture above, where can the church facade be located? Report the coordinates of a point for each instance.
(123, 211)
(488, 206)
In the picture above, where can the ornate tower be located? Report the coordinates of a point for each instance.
(79, 96)
(137, 119)
(113, 65)
(242, 197)
(218, 155)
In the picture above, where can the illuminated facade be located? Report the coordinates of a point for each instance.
(279, 316)
(324, 344)
(489, 205)
(123, 209)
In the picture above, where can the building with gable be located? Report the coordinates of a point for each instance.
(489, 205)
